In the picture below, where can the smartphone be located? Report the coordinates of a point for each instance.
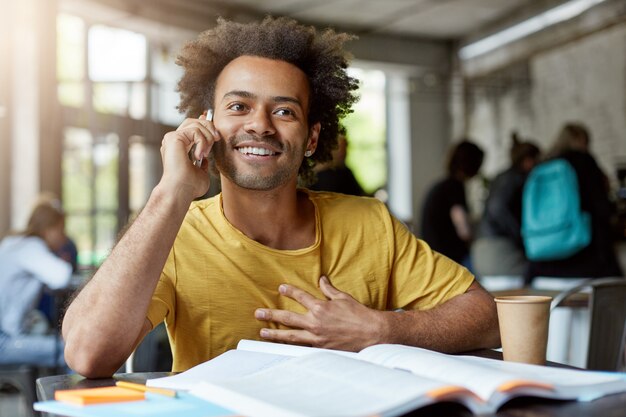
(198, 162)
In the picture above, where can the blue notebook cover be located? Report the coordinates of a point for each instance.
(184, 405)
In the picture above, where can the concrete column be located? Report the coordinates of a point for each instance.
(6, 42)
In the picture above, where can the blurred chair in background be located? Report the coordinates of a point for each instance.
(606, 325)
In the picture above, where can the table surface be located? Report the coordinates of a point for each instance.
(609, 406)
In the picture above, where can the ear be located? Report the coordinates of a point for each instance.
(314, 134)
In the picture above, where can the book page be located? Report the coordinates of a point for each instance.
(323, 384)
(233, 363)
(494, 380)
(568, 383)
(286, 350)
(483, 381)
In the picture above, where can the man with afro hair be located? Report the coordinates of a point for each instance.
(266, 259)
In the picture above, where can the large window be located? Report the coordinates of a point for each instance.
(117, 92)
(367, 155)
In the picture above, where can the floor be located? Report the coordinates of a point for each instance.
(12, 404)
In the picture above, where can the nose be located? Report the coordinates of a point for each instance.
(260, 123)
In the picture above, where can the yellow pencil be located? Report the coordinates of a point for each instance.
(141, 387)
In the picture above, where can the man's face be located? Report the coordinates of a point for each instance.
(261, 111)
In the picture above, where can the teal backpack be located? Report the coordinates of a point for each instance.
(553, 224)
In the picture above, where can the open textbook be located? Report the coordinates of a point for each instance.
(268, 379)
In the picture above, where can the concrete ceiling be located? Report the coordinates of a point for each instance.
(438, 19)
(430, 19)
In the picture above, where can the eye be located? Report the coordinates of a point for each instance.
(285, 112)
(237, 107)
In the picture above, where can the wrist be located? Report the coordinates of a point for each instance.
(384, 325)
(393, 327)
(170, 198)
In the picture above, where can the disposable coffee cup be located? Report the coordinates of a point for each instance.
(524, 323)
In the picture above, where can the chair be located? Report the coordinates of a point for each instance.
(21, 377)
(152, 354)
(607, 334)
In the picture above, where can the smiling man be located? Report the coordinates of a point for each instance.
(265, 258)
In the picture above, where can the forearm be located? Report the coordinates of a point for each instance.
(466, 322)
(102, 325)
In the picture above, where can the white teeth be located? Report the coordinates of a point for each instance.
(255, 151)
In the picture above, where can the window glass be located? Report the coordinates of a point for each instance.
(71, 94)
(106, 164)
(165, 99)
(70, 47)
(77, 169)
(106, 227)
(124, 99)
(116, 54)
(71, 60)
(367, 154)
(144, 171)
(77, 190)
(165, 74)
(79, 228)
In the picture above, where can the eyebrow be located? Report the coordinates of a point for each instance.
(249, 95)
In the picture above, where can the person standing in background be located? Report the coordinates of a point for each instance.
(334, 175)
(27, 264)
(598, 258)
(499, 249)
(445, 220)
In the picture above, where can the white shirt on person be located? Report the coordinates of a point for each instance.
(26, 265)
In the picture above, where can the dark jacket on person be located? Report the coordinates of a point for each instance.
(502, 216)
(437, 227)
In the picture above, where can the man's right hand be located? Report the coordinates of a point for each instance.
(179, 173)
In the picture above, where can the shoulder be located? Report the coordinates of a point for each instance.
(580, 160)
(20, 242)
(340, 211)
(510, 177)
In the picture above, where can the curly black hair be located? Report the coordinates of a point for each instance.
(320, 55)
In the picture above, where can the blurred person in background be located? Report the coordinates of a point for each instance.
(27, 264)
(499, 249)
(598, 258)
(334, 175)
(446, 223)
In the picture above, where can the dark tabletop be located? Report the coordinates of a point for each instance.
(609, 406)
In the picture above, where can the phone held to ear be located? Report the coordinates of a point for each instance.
(198, 162)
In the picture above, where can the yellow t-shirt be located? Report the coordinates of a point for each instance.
(216, 277)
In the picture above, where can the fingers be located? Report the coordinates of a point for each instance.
(293, 337)
(288, 318)
(297, 294)
(199, 133)
(329, 291)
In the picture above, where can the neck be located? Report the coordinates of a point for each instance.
(283, 218)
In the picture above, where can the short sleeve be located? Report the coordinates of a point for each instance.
(420, 277)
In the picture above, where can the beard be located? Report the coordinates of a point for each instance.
(290, 159)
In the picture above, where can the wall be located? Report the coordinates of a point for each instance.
(583, 80)
(29, 149)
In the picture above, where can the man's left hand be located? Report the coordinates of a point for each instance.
(340, 322)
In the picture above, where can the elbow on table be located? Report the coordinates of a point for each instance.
(492, 332)
(88, 361)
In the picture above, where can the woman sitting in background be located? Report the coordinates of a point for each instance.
(27, 263)
(499, 250)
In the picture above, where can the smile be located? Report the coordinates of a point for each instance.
(249, 150)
